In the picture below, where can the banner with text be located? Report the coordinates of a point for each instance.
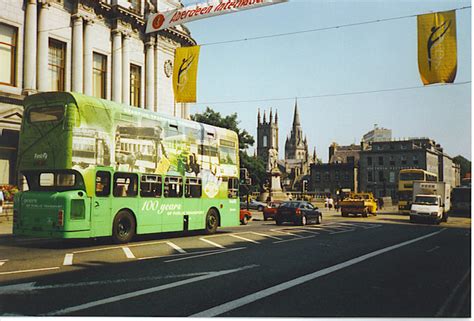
(437, 52)
(163, 20)
(185, 74)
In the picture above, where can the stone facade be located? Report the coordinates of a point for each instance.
(381, 162)
(331, 177)
(81, 31)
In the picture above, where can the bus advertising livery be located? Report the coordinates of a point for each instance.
(97, 168)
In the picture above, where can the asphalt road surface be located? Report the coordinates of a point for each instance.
(380, 266)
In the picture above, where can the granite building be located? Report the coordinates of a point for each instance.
(95, 47)
(380, 163)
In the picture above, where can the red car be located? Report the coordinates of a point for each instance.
(245, 217)
(270, 210)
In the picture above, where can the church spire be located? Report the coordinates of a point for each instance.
(258, 116)
(264, 117)
(276, 116)
(296, 117)
(271, 116)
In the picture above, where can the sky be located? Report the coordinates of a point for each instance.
(363, 58)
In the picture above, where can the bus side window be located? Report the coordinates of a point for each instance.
(125, 185)
(233, 188)
(173, 186)
(193, 188)
(102, 184)
(150, 186)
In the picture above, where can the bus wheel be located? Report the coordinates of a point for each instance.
(124, 227)
(212, 221)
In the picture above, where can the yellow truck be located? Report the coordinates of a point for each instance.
(359, 203)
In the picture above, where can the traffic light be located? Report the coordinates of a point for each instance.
(244, 176)
(305, 186)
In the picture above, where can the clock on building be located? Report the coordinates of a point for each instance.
(168, 67)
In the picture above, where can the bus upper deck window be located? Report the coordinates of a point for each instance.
(46, 114)
(46, 179)
(102, 184)
(66, 180)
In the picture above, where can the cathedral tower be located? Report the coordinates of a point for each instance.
(267, 135)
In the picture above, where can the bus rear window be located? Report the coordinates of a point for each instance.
(46, 114)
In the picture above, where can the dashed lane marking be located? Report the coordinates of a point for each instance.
(176, 247)
(212, 243)
(2, 262)
(173, 255)
(128, 253)
(68, 259)
(244, 239)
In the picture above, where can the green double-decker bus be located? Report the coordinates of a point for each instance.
(96, 168)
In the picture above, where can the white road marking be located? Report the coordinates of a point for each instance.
(212, 243)
(452, 294)
(244, 238)
(206, 254)
(297, 239)
(128, 253)
(177, 248)
(134, 294)
(251, 298)
(433, 249)
(2, 262)
(269, 236)
(31, 286)
(287, 233)
(28, 271)
(172, 255)
(306, 230)
(68, 259)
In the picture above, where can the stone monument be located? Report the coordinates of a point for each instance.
(275, 192)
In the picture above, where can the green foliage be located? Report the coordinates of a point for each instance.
(464, 164)
(213, 118)
(255, 166)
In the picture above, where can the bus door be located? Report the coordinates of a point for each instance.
(101, 204)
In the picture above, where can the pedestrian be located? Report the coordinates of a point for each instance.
(326, 202)
(331, 203)
(380, 203)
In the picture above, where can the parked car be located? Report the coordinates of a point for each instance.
(253, 205)
(270, 210)
(298, 212)
(245, 217)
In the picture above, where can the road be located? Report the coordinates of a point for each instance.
(380, 266)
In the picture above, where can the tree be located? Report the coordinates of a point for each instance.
(213, 118)
(464, 164)
(255, 166)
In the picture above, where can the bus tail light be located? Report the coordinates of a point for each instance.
(60, 218)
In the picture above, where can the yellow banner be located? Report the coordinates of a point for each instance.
(437, 53)
(185, 74)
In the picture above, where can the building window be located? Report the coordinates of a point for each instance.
(135, 85)
(336, 176)
(265, 141)
(56, 64)
(392, 177)
(326, 176)
(392, 161)
(415, 160)
(7, 55)
(369, 160)
(380, 160)
(317, 177)
(99, 78)
(370, 176)
(381, 178)
(403, 158)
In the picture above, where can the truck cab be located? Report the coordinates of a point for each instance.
(428, 207)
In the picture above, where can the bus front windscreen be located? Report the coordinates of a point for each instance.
(412, 177)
